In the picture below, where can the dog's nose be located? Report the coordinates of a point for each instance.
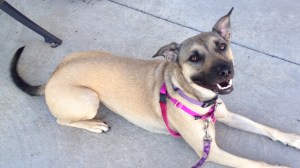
(224, 71)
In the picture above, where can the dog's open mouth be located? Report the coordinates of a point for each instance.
(224, 87)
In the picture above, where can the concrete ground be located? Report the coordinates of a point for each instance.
(265, 44)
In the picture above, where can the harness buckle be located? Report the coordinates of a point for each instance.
(204, 105)
(163, 98)
(209, 102)
(197, 117)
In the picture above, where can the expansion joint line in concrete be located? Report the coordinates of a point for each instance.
(197, 30)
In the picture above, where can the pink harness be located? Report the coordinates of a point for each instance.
(208, 116)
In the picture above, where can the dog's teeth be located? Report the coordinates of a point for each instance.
(230, 83)
(226, 87)
(219, 86)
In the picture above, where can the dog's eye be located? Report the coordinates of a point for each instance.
(222, 47)
(195, 57)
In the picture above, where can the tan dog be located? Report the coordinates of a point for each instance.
(201, 66)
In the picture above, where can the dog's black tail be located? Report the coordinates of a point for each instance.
(21, 84)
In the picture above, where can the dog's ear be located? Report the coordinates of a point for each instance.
(170, 52)
(223, 28)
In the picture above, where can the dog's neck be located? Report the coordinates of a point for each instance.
(189, 88)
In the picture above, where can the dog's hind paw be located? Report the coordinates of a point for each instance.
(92, 125)
(97, 126)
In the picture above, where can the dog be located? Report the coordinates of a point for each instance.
(201, 67)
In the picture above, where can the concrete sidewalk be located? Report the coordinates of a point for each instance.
(265, 44)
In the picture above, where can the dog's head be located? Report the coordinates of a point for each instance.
(205, 60)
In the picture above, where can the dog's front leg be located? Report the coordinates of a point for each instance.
(222, 157)
(243, 123)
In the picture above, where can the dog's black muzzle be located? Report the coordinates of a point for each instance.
(218, 78)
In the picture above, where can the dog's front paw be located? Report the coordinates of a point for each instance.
(265, 165)
(289, 139)
(280, 167)
(292, 140)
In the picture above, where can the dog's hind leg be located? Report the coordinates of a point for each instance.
(75, 107)
(243, 123)
(219, 156)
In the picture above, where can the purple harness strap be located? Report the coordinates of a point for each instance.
(209, 115)
(196, 102)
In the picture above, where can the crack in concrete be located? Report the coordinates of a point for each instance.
(197, 30)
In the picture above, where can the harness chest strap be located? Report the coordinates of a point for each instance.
(209, 115)
(163, 101)
(163, 108)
